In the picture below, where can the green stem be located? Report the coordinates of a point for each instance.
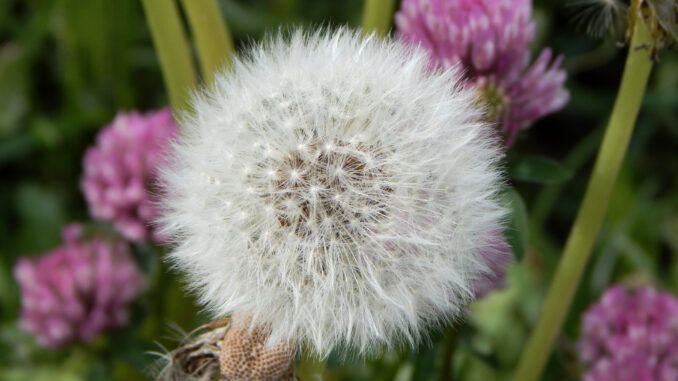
(211, 34)
(310, 368)
(592, 211)
(377, 16)
(173, 50)
(451, 338)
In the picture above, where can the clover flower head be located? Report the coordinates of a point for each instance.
(497, 255)
(120, 171)
(631, 335)
(489, 40)
(77, 290)
(336, 191)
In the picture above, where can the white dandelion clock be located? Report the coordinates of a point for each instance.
(336, 191)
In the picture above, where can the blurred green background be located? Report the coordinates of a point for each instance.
(67, 66)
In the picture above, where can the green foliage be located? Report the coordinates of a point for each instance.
(538, 169)
(516, 230)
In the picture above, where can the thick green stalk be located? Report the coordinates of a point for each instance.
(592, 211)
(377, 16)
(211, 34)
(310, 368)
(451, 339)
(172, 49)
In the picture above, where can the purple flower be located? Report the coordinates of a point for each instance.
(77, 290)
(121, 169)
(489, 40)
(498, 255)
(631, 335)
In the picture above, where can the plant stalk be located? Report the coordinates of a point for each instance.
(212, 36)
(310, 368)
(451, 339)
(377, 16)
(592, 210)
(173, 50)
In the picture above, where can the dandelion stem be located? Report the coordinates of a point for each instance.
(377, 16)
(173, 50)
(311, 368)
(451, 338)
(592, 210)
(212, 36)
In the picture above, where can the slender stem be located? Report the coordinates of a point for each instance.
(451, 338)
(173, 50)
(211, 34)
(311, 368)
(592, 210)
(377, 16)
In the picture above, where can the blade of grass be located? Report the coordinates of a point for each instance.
(212, 36)
(173, 50)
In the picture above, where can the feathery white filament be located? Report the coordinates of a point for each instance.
(334, 189)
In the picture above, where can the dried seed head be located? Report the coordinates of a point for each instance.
(245, 355)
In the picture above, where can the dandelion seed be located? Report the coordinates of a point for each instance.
(600, 18)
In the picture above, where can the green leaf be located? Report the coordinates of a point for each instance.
(15, 148)
(14, 101)
(516, 229)
(41, 216)
(99, 370)
(538, 169)
(8, 289)
(425, 363)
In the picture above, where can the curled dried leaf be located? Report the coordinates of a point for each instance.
(197, 356)
(661, 19)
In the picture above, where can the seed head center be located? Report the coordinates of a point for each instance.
(327, 189)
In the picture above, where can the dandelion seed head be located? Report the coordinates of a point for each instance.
(360, 216)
